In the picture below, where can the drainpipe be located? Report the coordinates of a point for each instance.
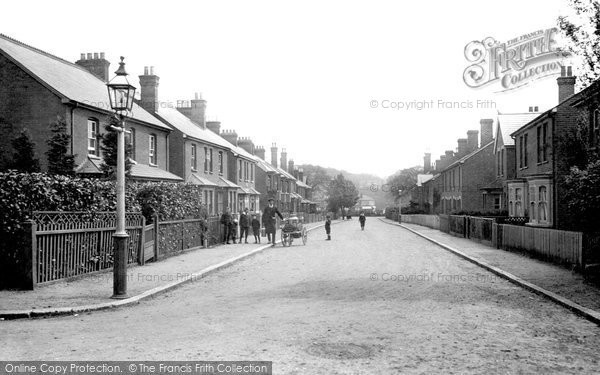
(554, 169)
(72, 127)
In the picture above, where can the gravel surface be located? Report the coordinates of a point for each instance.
(382, 301)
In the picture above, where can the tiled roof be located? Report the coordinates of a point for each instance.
(182, 123)
(68, 80)
(226, 183)
(510, 122)
(302, 184)
(138, 171)
(468, 156)
(264, 165)
(423, 178)
(198, 180)
(144, 171)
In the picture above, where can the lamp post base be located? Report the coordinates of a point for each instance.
(120, 266)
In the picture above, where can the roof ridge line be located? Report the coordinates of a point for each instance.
(48, 54)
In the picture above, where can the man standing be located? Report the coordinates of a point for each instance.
(244, 225)
(226, 221)
(269, 221)
(362, 218)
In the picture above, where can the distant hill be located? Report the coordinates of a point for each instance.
(367, 184)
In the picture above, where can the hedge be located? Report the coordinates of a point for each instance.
(23, 193)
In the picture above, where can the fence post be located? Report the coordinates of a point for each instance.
(156, 238)
(495, 235)
(28, 270)
(141, 260)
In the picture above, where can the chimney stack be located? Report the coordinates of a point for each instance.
(214, 126)
(230, 136)
(442, 163)
(301, 174)
(149, 90)
(427, 162)
(472, 140)
(247, 144)
(260, 152)
(95, 64)
(566, 83)
(291, 167)
(274, 155)
(462, 147)
(198, 110)
(283, 161)
(487, 131)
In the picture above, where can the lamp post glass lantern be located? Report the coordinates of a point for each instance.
(120, 94)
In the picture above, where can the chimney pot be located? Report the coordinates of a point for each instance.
(82, 56)
(102, 55)
(569, 71)
(95, 55)
(145, 70)
(151, 70)
(89, 56)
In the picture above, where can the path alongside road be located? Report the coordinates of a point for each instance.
(382, 301)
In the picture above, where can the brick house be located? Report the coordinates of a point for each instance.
(242, 170)
(197, 154)
(469, 171)
(542, 159)
(37, 87)
(504, 151)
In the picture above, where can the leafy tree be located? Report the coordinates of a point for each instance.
(24, 159)
(582, 31)
(109, 149)
(583, 197)
(60, 162)
(403, 181)
(342, 194)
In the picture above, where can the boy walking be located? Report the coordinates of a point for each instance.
(256, 229)
(328, 227)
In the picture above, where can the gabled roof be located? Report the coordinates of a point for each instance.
(468, 156)
(182, 123)
(423, 178)
(67, 80)
(302, 184)
(264, 165)
(138, 171)
(507, 123)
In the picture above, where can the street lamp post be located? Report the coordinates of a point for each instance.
(121, 95)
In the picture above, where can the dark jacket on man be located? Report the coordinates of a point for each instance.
(269, 218)
(244, 221)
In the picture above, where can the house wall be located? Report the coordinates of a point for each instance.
(477, 172)
(25, 103)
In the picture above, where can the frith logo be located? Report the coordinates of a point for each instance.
(515, 63)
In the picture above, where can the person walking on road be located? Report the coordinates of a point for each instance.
(256, 229)
(361, 219)
(328, 227)
(244, 225)
(269, 221)
(226, 221)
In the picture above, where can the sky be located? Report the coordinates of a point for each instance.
(311, 76)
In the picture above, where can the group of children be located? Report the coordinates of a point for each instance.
(361, 219)
(231, 227)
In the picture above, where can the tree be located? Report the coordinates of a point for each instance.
(583, 197)
(402, 181)
(60, 162)
(342, 194)
(24, 159)
(582, 32)
(109, 149)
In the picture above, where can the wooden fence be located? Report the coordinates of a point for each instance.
(70, 244)
(556, 245)
(431, 221)
(552, 244)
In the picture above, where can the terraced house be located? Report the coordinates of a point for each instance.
(38, 87)
(544, 154)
